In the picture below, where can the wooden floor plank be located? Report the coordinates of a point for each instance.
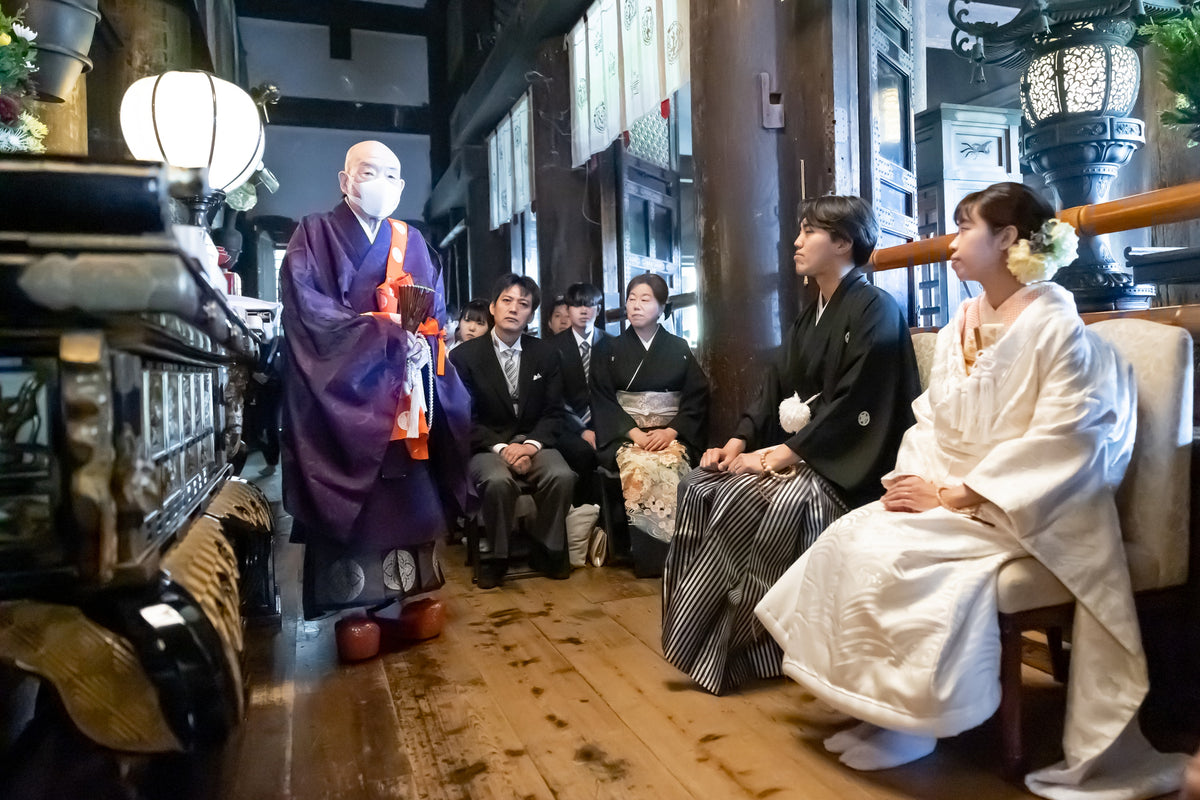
(699, 737)
(581, 746)
(552, 689)
(459, 740)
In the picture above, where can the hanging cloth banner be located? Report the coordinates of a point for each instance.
(504, 168)
(676, 45)
(580, 115)
(639, 58)
(522, 193)
(598, 137)
(610, 18)
(493, 181)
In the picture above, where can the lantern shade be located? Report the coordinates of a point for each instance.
(1080, 79)
(193, 119)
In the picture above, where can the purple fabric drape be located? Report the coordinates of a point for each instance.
(342, 480)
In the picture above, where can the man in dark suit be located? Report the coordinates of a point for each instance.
(515, 383)
(575, 345)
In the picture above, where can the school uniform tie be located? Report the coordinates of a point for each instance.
(510, 374)
(585, 354)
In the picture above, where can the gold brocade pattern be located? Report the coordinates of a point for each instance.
(650, 485)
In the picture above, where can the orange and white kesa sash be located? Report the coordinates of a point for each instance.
(411, 420)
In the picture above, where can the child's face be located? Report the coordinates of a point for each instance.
(582, 317)
(469, 329)
(560, 320)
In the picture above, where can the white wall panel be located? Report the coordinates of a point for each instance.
(307, 161)
(385, 67)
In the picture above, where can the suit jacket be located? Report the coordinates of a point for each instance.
(540, 409)
(577, 395)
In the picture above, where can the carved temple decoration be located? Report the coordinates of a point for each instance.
(122, 379)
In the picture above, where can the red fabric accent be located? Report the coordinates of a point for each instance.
(664, 108)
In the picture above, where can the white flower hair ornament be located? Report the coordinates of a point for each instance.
(1051, 248)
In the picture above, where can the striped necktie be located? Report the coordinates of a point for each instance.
(510, 373)
(585, 353)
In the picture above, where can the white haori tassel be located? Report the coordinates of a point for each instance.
(410, 420)
(977, 401)
(794, 413)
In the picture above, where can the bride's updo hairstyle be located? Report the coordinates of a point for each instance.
(1004, 204)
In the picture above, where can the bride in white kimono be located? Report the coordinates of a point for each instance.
(1020, 444)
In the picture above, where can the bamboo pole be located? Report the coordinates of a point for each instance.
(1158, 207)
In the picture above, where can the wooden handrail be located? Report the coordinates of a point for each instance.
(1158, 207)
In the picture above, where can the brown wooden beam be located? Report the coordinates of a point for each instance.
(309, 112)
(1158, 207)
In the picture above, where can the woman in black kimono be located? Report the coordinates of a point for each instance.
(823, 430)
(649, 406)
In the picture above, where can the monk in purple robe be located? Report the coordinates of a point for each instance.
(368, 498)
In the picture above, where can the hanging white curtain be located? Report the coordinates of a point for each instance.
(597, 97)
(522, 175)
(610, 18)
(641, 75)
(493, 181)
(676, 45)
(504, 160)
(580, 116)
(627, 56)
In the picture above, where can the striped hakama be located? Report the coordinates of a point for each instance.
(735, 535)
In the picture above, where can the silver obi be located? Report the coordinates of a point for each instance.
(650, 409)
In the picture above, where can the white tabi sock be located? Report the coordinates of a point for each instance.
(887, 749)
(842, 741)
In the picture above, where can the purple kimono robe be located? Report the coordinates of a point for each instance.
(352, 493)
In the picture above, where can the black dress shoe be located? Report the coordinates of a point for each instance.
(491, 573)
(554, 564)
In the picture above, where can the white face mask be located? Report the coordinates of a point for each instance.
(379, 197)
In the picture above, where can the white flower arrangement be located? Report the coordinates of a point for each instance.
(1051, 248)
(20, 130)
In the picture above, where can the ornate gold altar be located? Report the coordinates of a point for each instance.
(130, 557)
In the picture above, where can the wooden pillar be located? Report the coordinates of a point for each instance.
(135, 39)
(737, 191)
(750, 180)
(155, 35)
(819, 144)
(568, 244)
(67, 122)
(488, 252)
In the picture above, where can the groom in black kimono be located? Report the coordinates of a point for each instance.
(517, 412)
(366, 493)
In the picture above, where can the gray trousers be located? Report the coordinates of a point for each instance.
(552, 481)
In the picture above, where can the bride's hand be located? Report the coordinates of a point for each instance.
(911, 493)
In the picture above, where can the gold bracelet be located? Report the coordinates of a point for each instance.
(970, 512)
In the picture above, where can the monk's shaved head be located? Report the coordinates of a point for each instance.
(371, 167)
(370, 150)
